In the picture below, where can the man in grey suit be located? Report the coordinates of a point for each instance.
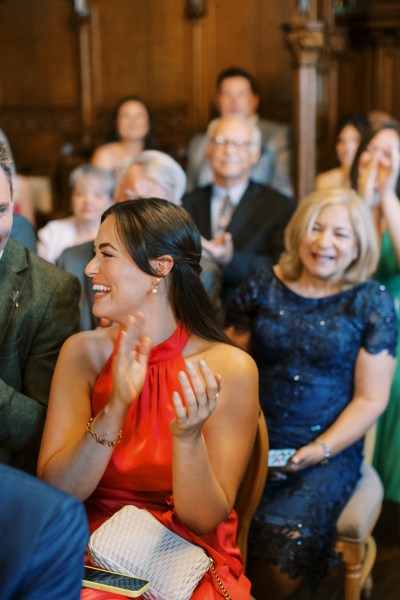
(38, 311)
(237, 96)
(250, 233)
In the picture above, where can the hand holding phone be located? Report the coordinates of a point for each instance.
(279, 458)
(131, 587)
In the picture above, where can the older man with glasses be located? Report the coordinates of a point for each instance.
(237, 95)
(241, 222)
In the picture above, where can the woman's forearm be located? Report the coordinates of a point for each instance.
(200, 502)
(78, 467)
(352, 424)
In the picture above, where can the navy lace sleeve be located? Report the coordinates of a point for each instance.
(381, 327)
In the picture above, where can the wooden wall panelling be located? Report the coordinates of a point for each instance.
(142, 48)
(39, 90)
(272, 60)
(54, 95)
(368, 77)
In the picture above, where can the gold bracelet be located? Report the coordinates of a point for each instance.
(102, 440)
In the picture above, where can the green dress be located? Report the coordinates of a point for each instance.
(387, 446)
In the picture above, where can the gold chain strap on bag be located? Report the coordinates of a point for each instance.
(225, 593)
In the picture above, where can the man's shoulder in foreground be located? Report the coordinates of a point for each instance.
(21, 259)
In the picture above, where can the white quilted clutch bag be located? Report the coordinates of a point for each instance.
(133, 542)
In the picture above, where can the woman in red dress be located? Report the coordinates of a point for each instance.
(159, 410)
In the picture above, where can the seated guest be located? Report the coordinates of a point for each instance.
(324, 338)
(241, 222)
(39, 310)
(349, 133)
(92, 191)
(151, 173)
(237, 96)
(133, 135)
(183, 408)
(376, 174)
(44, 533)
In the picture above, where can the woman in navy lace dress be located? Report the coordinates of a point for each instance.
(324, 339)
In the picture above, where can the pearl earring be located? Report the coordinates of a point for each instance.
(155, 285)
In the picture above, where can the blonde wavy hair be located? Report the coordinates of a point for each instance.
(302, 222)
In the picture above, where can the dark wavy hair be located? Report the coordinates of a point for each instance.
(369, 135)
(149, 228)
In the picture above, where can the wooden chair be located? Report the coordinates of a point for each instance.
(354, 540)
(252, 486)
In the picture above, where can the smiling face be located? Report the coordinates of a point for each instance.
(329, 246)
(380, 145)
(235, 97)
(231, 151)
(135, 183)
(89, 199)
(133, 121)
(120, 287)
(348, 140)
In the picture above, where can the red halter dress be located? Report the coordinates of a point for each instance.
(140, 470)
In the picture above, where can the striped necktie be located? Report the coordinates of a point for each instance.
(224, 216)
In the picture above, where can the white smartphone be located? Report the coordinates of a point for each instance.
(108, 581)
(280, 458)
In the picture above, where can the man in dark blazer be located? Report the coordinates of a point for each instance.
(253, 234)
(43, 535)
(38, 311)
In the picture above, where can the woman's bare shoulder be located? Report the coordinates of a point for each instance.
(89, 349)
(222, 358)
(328, 179)
(105, 156)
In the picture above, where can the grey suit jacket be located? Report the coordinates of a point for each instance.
(273, 167)
(38, 311)
(74, 260)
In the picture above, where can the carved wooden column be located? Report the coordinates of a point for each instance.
(306, 38)
(336, 47)
(197, 12)
(83, 23)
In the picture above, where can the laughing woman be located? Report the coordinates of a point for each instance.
(151, 382)
(324, 338)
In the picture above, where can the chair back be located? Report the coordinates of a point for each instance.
(252, 485)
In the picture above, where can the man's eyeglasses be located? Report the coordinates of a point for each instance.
(222, 141)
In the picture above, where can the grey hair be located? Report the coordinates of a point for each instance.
(105, 178)
(255, 131)
(160, 168)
